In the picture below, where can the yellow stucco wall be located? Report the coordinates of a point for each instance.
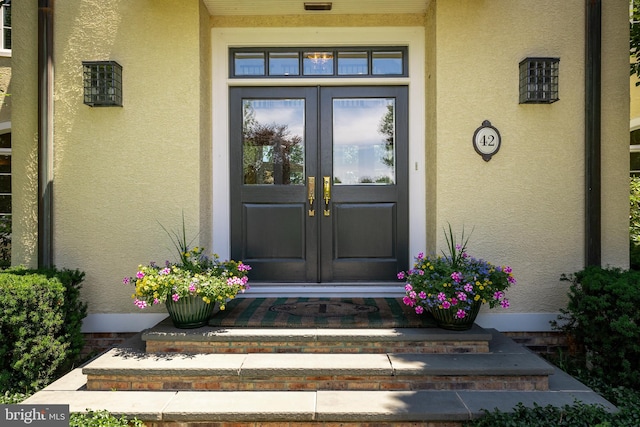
(118, 171)
(527, 203)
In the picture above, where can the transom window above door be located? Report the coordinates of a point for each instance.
(318, 62)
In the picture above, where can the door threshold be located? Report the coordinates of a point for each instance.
(325, 290)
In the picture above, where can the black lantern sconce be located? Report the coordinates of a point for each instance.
(539, 80)
(102, 83)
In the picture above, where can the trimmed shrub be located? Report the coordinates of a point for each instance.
(102, 419)
(40, 319)
(602, 317)
(577, 415)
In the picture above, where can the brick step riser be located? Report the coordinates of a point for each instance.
(228, 347)
(315, 383)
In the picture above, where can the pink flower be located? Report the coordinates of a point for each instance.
(140, 303)
(192, 287)
(408, 287)
(419, 309)
(504, 303)
(422, 295)
(408, 301)
(454, 301)
(446, 305)
(421, 255)
(468, 287)
(126, 280)
(412, 295)
(442, 296)
(139, 274)
(462, 296)
(420, 272)
(401, 275)
(456, 276)
(498, 295)
(175, 297)
(243, 267)
(164, 271)
(461, 314)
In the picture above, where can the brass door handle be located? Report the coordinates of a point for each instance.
(311, 194)
(327, 194)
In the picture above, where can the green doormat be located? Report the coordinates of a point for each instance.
(320, 313)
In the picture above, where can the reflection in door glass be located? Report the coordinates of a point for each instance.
(364, 141)
(273, 141)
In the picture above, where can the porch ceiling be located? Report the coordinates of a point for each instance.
(296, 7)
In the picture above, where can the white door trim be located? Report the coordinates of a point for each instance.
(224, 38)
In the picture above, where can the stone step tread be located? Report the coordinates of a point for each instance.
(164, 331)
(336, 406)
(132, 362)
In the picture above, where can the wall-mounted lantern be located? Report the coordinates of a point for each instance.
(539, 80)
(102, 83)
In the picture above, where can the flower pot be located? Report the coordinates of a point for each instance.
(447, 319)
(189, 312)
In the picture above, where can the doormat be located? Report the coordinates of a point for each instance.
(320, 313)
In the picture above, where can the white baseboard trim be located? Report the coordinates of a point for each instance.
(136, 322)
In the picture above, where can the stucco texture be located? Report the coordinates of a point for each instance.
(526, 206)
(120, 172)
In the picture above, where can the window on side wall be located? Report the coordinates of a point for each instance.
(5, 28)
(635, 153)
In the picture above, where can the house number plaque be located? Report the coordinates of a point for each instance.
(486, 140)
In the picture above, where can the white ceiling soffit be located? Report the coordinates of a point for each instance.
(296, 7)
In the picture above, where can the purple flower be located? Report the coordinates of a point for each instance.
(419, 309)
(421, 255)
(504, 303)
(462, 296)
(442, 296)
(401, 275)
(446, 305)
(422, 295)
(126, 280)
(498, 295)
(175, 297)
(461, 314)
(468, 287)
(456, 276)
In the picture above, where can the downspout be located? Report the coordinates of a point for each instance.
(593, 74)
(45, 132)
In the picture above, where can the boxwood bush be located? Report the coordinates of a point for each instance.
(40, 318)
(603, 319)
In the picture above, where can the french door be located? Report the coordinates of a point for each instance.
(319, 182)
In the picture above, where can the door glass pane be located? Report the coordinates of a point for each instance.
(273, 141)
(364, 141)
(317, 63)
(387, 63)
(249, 63)
(284, 64)
(353, 63)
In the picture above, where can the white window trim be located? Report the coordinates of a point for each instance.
(3, 52)
(224, 38)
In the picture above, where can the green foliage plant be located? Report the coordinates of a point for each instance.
(634, 222)
(602, 317)
(40, 318)
(102, 419)
(576, 415)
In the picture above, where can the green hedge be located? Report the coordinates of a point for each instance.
(602, 317)
(40, 319)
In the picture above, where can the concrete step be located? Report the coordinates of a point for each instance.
(129, 370)
(303, 408)
(165, 338)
